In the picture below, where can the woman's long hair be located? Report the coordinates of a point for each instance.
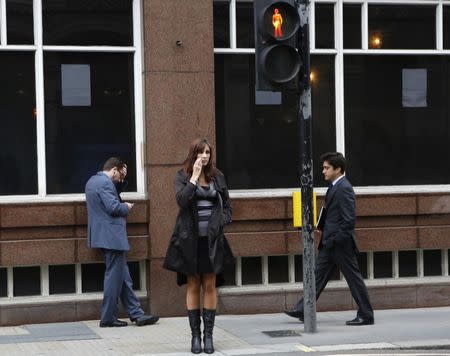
(197, 146)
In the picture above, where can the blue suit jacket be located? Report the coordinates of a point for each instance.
(340, 216)
(107, 225)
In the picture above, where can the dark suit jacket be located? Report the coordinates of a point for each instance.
(106, 215)
(339, 224)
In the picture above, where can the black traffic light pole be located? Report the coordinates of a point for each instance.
(306, 170)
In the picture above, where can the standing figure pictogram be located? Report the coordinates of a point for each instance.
(277, 22)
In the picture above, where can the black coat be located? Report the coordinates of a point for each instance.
(181, 254)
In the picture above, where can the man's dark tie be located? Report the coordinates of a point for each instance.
(327, 194)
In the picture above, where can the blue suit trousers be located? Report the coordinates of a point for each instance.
(117, 285)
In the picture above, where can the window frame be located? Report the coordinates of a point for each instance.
(39, 48)
(339, 52)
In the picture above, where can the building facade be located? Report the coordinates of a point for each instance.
(84, 80)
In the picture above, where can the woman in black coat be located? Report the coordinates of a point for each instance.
(198, 250)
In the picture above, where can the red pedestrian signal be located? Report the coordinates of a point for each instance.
(276, 57)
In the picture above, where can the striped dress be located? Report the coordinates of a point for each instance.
(205, 198)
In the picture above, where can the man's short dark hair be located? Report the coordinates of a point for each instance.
(335, 159)
(113, 162)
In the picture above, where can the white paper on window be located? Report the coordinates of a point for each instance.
(267, 97)
(414, 88)
(76, 84)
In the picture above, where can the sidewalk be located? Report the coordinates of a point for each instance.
(235, 335)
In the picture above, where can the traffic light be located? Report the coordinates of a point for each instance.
(277, 61)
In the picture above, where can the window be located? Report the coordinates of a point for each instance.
(402, 26)
(324, 25)
(72, 97)
(383, 92)
(19, 14)
(378, 124)
(88, 23)
(252, 138)
(18, 119)
(352, 26)
(80, 137)
(26, 281)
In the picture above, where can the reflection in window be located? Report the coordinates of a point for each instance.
(245, 31)
(250, 137)
(377, 125)
(402, 27)
(221, 24)
(80, 138)
(19, 14)
(324, 17)
(352, 26)
(17, 119)
(87, 23)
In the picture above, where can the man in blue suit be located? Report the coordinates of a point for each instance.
(107, 230)
(338, 243)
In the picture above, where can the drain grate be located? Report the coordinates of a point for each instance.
(282, 333)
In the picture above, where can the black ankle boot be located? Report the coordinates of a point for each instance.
(208, 322)
(194, 322)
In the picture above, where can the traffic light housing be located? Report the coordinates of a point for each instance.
(277, 61)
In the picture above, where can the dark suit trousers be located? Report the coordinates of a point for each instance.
(117, 285)
(342, 254)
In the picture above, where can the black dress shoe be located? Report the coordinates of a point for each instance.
(145, 320)
(359, 321)
(294, 314)
(113, 324)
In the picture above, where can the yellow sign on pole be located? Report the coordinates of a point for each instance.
(297, 209)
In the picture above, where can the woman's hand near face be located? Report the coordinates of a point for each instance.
(196, 170)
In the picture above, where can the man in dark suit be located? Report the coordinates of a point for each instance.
(107, 230)
(338, 243)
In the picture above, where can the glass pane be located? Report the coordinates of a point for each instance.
(27, 281)
(446, 29)
(245, 28)
(278, 269)
(221, 25)
(382, 264)
(432, 265)
(92, 275)
(298, 268)
(89, 116)
(251, 270)
(61, 279)
(352, 26)
(324, 17)
(133, 267)
(3, 282)
(19, 21)
(229, 275)
(407, 263)
(402, 26)
(403, 114)
(18, 119)
(88, 23)
(362, 263)
(250, 137)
